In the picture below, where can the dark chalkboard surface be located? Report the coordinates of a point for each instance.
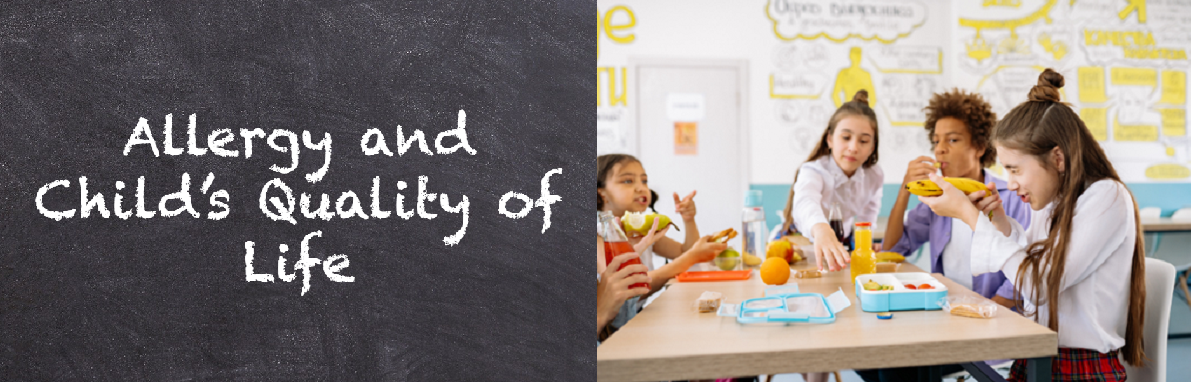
(167, 298)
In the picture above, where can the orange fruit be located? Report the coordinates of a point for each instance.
(775, 271)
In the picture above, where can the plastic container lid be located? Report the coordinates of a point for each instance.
(864, 224)
(752, 198)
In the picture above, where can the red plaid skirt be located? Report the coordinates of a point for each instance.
(1077, 365)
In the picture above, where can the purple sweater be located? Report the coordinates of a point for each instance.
(923, 225)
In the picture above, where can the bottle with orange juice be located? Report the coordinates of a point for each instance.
(864, 260)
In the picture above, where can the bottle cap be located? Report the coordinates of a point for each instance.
(752, 198)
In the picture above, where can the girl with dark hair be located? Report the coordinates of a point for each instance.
(621, 186)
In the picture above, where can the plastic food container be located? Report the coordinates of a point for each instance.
(900, 297)
(811, 308)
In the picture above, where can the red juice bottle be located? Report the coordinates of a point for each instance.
(616, 243)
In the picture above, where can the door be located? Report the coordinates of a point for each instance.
(692, 136)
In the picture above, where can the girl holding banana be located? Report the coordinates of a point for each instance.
(1080, 267)
(958, 125)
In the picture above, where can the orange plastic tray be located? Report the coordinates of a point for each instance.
(714, 276)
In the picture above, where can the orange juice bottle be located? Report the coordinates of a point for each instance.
(864, 260)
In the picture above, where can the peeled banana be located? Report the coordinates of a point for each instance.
(926, 187)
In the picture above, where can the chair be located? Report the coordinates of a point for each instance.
(1159, 277)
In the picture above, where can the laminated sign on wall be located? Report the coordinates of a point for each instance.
(686, 110)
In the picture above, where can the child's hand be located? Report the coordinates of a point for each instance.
(829, 251)
(642, 243)
(613, 289)
(952, 203)
(918, 169)
(705, 250)
(990, 203)
(685, 206)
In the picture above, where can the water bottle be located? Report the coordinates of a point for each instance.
(754, 231)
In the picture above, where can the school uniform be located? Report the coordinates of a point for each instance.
(950, 254)
(1094, 294)
(822, 183)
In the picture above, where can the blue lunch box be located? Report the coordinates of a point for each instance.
(900, 298)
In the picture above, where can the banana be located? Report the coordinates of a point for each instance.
(926, 187)
(891, 257)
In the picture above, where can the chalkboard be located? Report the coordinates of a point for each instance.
(84, 86)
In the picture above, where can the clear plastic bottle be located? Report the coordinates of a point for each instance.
(616, 243)
(754, 230)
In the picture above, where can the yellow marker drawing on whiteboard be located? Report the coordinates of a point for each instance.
(1174, 87)
(1040, 69)
(1091, 84)
(775, 95)
(1134, 76)
(979, 49)
(1002, 3)
(1168, 171)
(888, 41)
(1169, 151)
(1134, 5)
(916, 71)
(1174, 122)
(1096, 120)
(1057, 49)
(852, 79)
(1012, 24)
(1133, 133)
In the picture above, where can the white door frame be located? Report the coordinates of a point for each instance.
(742, 78)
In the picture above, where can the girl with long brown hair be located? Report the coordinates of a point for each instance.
(1080, 267)
(842, 171)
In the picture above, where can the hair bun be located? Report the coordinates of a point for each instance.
(1048, 86)
(861, 96)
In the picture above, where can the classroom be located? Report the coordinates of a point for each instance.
(728, 106)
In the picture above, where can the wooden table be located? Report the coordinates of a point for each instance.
(669, 340)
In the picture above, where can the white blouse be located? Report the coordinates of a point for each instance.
(1094, 295)
(821, 183)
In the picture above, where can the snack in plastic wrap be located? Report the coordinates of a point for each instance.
(709, 302)
(969, 306)
(887, 267)
(808, 274)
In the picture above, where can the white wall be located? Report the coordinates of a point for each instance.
(742, 30)
(783, 130)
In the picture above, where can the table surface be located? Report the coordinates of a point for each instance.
(669, 340)
(1164, 225)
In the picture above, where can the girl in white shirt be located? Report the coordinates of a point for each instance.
(1080, 267)
(843, 171)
